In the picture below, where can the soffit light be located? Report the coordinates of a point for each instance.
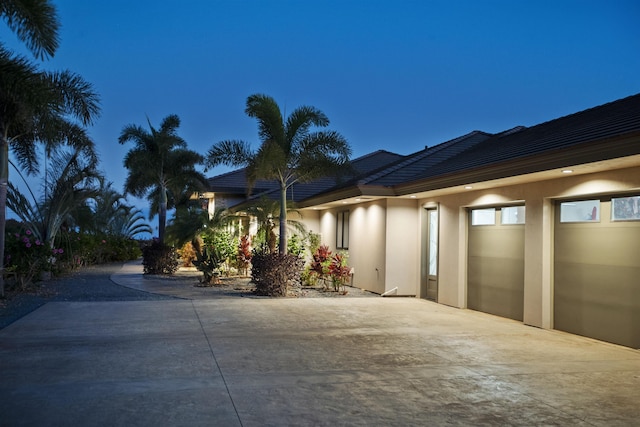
(567, 171)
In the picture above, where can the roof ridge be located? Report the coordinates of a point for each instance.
(373, 153)
(591, 109)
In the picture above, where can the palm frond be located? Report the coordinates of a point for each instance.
(229, 152)
(301, 120)
(265, 109)
(35, 23)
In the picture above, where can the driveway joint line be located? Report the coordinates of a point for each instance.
(215, 359)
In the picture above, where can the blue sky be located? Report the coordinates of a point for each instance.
(394, 75)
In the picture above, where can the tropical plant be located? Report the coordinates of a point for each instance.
(339, 272)
(161, 167)
(296, 245)
(191, 221)
(320, 259)
(209, 259)
(224, 244)
(244, 254)
(37, 106)
(187, 254)
(108, 214)
(289, 152)
(74, 181)
(27, 257)
(267, 214)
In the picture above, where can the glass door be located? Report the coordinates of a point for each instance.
(429, 285)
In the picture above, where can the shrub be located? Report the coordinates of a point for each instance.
(244, 255)
(158, 258)
(314, 241)
(224, 244)
(86, 249)
(320, 260)
(295, 245)
(339, 271)
(28, 257)
(187, 254)
(273, 274)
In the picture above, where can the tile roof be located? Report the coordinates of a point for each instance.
(425, 159)
(235, 182)
(595, 125)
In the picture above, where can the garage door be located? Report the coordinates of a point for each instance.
(495, 271)
(597, 269)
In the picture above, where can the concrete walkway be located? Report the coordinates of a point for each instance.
(323, 361)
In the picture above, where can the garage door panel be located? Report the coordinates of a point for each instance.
(599, 244)
(597, 301)
(495, 270)
(497, 242)
(597, 279)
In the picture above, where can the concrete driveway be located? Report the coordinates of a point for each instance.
(324, 361)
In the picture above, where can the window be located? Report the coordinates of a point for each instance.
(483, 216)
(342, 230)
(513, 215)
(580, 211)
(625, 208)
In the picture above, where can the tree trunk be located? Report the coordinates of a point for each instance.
(162, 215)
(283, 219)
(4, 181)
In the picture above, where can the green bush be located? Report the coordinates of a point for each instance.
(296, 245)
(225, 246)
(273, 274)
(88, 249)
(158, 258)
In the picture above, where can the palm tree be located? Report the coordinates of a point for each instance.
(289, 152)
(74, 182)
(160, 166)
(108, 214)
(39, 107)
(190, 221)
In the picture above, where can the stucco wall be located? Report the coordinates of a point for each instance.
(367, 248)
(367, 242)
(403, 246)
(310, 219)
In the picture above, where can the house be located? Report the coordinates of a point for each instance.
(538, 224)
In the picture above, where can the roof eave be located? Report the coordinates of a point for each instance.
(607, 149)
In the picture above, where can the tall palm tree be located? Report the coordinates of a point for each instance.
(161, 167)
(289, 152)
(39, 107)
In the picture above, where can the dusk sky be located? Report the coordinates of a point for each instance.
(394, 75)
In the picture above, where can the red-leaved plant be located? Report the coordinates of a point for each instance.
(244, 254)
